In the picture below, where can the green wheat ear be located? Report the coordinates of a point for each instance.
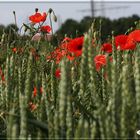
(83, 67)
(125, 94)
(24, 99)
(93, 129)
(28, 81)
(79, 129)
(53, 85)
(23, 104)
(23, 116)
(92, 72)
(137, 81)
(10, 123)
(69, 118)
(7, 78)
(64, 91)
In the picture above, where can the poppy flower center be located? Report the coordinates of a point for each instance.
(79, 47)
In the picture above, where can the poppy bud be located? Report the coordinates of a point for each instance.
(50, 10)
(36, 10)
(14, 12)
(54, 18)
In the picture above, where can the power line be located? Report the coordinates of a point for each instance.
(102, 9)
(92, 8)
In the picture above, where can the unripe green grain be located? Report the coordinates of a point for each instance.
(86, 130)
(7, 83)
(48, 107)
(14, 134)
(124, 132)
(83, 67)
(69, 118)
(3, 38)
(24, 71)
(79, 129)
(10, 124)
(28, 81)
(93, 129)
(23, 116)
(137, 82)
(53, 85)
(56, 125)
(64, 91)
(114, 92)
(91, 66)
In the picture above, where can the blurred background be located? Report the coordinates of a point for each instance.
(75, 17)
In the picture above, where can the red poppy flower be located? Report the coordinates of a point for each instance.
(133, 38)
(134, 35)
(45, 29)
(35, 92)
(37, 17)
(57, 73)
(14, 49)
(100, 60)
(120, 41)
(70, 48)
(107, 47)
(75, 46)
(130, 45)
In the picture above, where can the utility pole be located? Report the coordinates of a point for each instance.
(92, 8)
(102, 9)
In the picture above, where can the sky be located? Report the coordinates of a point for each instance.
(65, 10)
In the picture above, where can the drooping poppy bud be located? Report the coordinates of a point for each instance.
(36, 10)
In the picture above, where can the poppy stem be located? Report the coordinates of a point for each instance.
(51, 22)
(15, 17)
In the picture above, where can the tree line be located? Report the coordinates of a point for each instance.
(73, 28)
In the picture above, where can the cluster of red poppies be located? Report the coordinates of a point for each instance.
(33, 106)
(123, 42)
(38, 18)
(72, 48)
(35, 91)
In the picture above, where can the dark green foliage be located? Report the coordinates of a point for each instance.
(119, 26)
